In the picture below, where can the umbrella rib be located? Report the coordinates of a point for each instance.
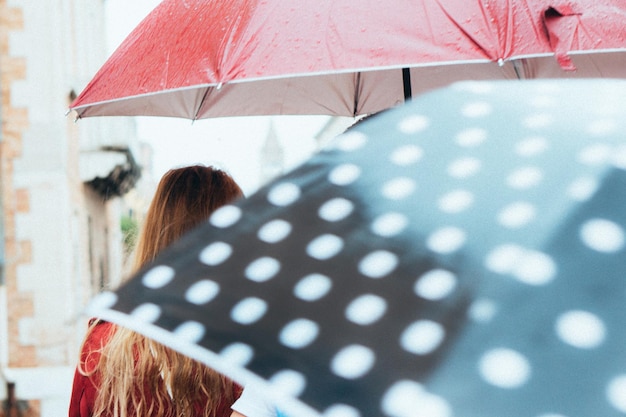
(406, 83)
(467, 34)
(204, 96)
(357, 94)
(516, 68)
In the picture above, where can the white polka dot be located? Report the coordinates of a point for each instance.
(464, 167)
(389, 224)
(409, 399)
(288, 382)
(406, 155)
(248, 310)
(313, 287)
(398, 188)
(616, 393)
(537, 121)
(284, 194)
(353, 361)
(502, 259)
(597, 154)
(336, 209)
(602, 235)
(551, 415)
(158, 277)
(190, 331)
(147, 312)
(476, 109)
(528, 266)
(104, 300)
(225, 216)
(582, 188)
(422, 337)
(274, 231)
(238, 354)
(471, 137)
(324, 247)
(435, 284)
(413, 124)
(351, 141)
(504, 368)
(344, 174)
(456, 201)
(202, 292)
(602, 127)
(580, 329)
(366, 309)
(377, 264)
(446, 240)
(341, 410)
(531, 146)
(482, 310)
(299, 333)
(516, 215)
(215, 253)
(524, 178)
(262, 269)
(535, 268)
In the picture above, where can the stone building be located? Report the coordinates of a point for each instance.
(60, 188)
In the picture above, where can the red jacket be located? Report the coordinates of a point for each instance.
(84, 388)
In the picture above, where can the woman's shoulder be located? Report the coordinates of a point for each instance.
(98, 335)
(100, 328)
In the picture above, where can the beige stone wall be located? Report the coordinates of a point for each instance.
(14, 122)
(61, 241)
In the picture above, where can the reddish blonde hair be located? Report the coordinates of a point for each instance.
(184, 198)
(136, 375)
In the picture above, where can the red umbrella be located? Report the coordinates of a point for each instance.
(201, 58)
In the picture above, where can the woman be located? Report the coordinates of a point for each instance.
(123, 374)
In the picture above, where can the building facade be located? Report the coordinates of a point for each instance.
(60, 188)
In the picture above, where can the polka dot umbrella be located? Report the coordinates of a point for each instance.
(463, 255)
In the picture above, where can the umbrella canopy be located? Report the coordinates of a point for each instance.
(201, 58)
(462, 255)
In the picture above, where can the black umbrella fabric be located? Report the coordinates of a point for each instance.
(462, 255)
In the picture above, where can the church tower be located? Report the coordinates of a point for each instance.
(272, 156)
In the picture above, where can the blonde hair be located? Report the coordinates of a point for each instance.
(137, 376)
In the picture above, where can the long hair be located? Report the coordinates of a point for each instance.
(184, 198)
(137, 376)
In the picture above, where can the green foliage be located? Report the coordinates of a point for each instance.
(130, 228)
